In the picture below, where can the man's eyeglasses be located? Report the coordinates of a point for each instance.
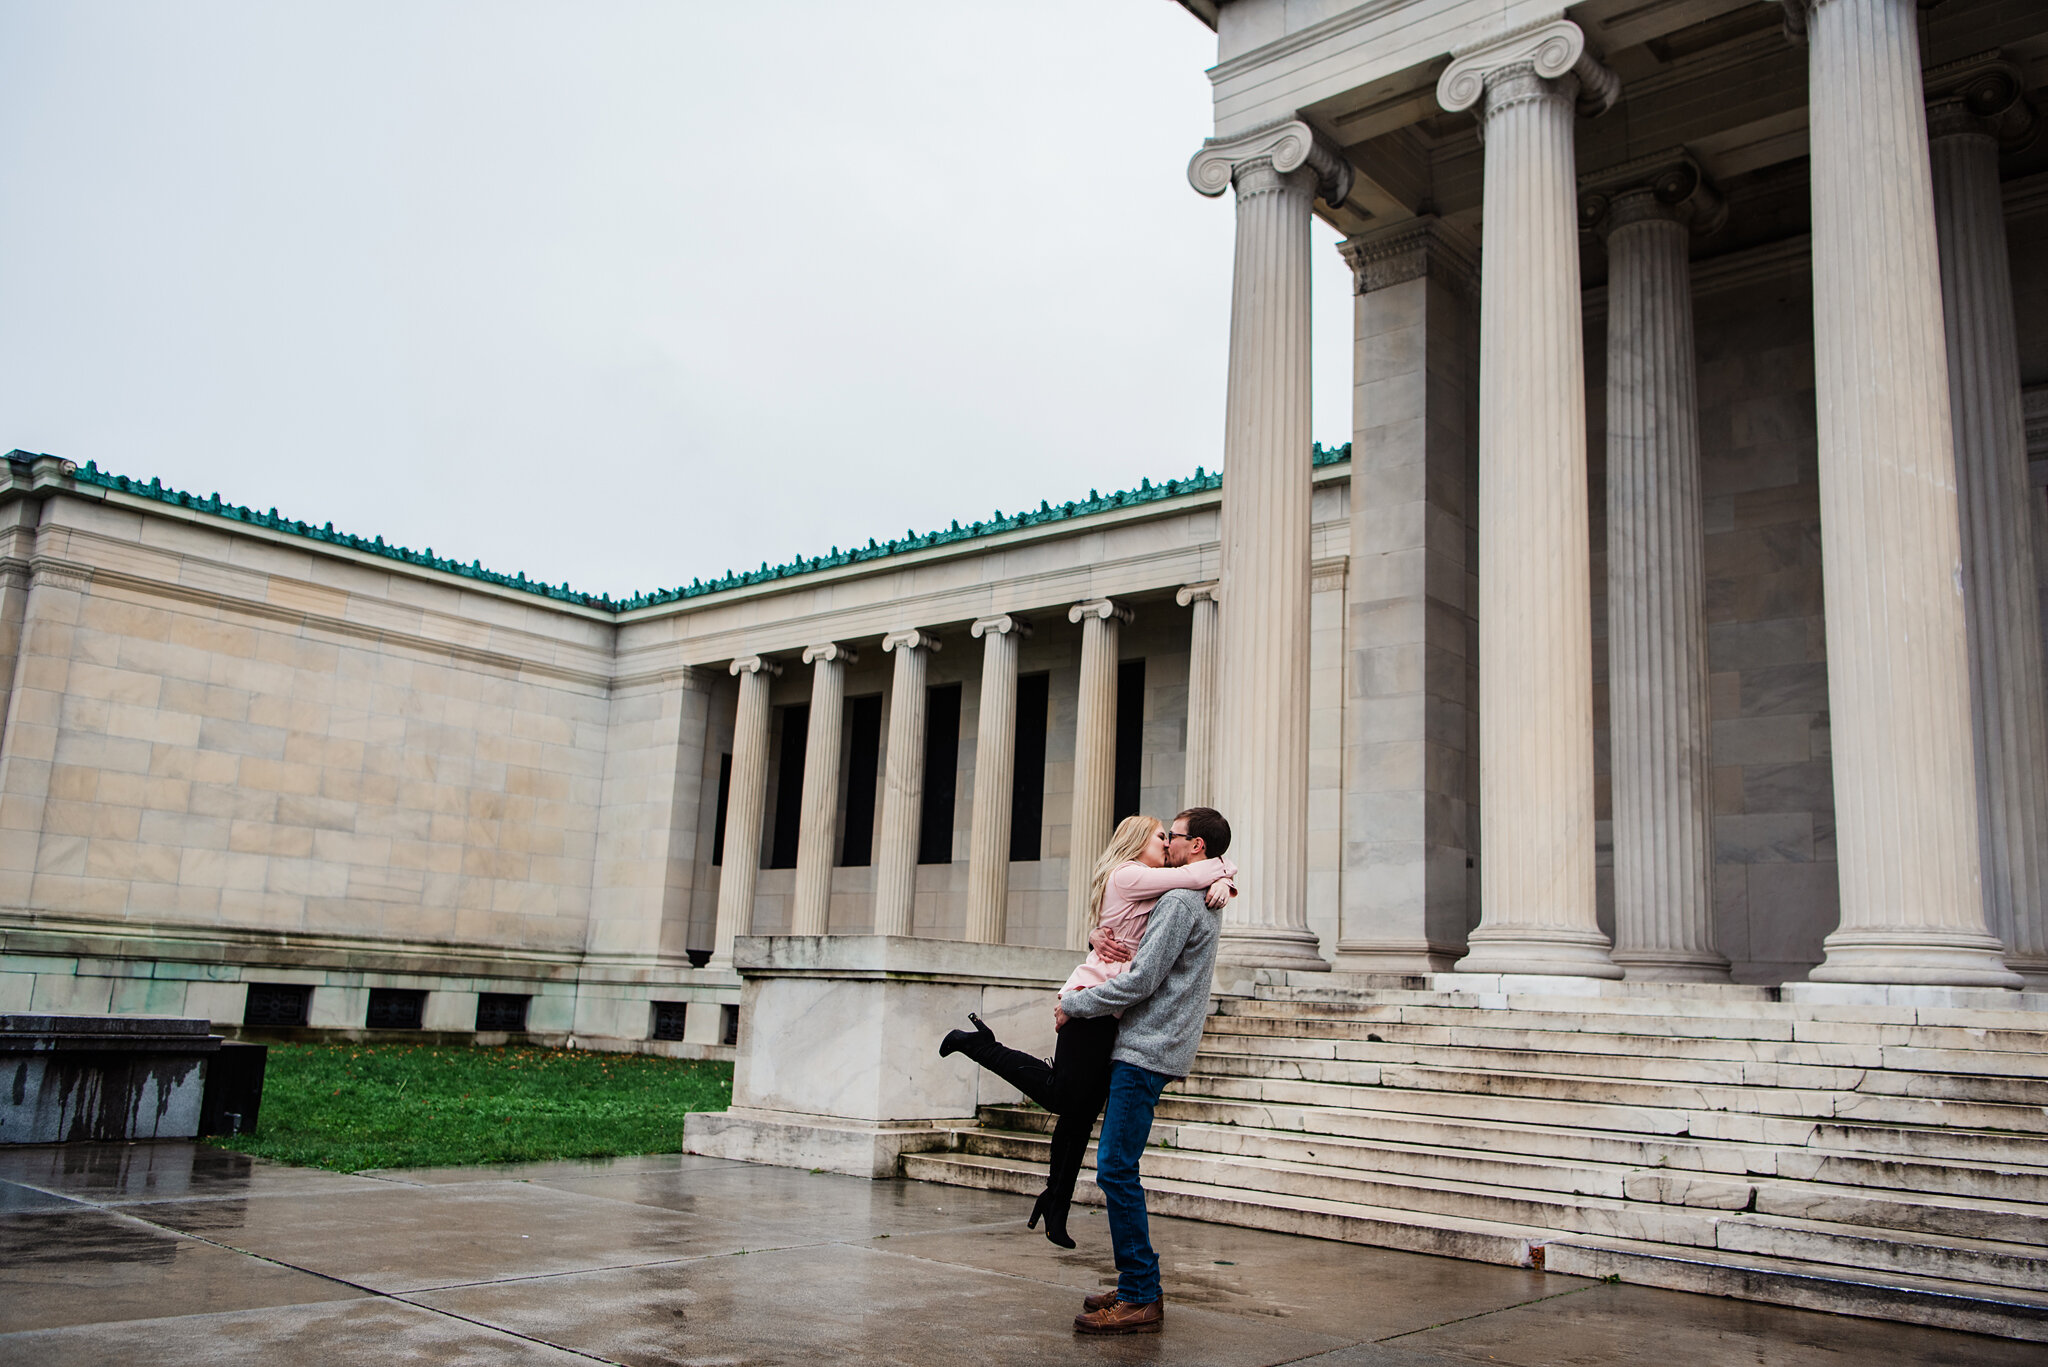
(1172, 836)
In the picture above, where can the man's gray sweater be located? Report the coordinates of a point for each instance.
(1164, 994)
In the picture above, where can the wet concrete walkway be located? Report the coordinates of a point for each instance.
(181, 1253)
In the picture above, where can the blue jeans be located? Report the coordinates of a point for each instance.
(1126, 1125)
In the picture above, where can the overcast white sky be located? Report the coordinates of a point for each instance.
(613, 292)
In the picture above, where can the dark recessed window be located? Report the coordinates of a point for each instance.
(277, 1006)
(863, 762)
(396, 1008)
(789, 786)
(941, 773)
(501, 1011)
(729, 1024)
(668, 1020)
(1130, 736)
(1027, 787)
(724, 796)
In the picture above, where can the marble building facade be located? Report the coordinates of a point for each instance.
(1674, 611)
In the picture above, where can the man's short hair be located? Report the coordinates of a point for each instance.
(1207, 825)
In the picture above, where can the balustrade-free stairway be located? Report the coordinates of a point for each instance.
(1879, 1160)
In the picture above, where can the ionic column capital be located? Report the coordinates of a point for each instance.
(756, 664)
(1980, 96)
(1548, 51)
(1100, 608)
(1285, 147)
(1190, 594)
(1410, 251)
(831, 652)
(1666, 185)
(1002, 624)
(911, 638)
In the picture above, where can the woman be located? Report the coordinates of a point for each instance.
(1129, 878)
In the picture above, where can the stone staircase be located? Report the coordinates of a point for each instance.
(1880, 1160)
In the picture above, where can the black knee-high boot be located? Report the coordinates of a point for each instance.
(1031, 1076)
(1069, 1147)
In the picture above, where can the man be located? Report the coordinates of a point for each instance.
(1164, 997)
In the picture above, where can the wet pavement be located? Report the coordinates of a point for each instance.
(181, 1253)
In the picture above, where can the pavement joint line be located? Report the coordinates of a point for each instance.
(397, 1297)
(1499, 1309)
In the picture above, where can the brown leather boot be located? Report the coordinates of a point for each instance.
(1102, 1298)
(1121, 1317)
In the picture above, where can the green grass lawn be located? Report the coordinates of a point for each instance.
(355, 1106)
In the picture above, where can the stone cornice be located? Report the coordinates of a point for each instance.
(1288, 146)
(1551, 49)
(1409, 251)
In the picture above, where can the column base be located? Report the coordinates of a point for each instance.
(1396, 956)
(1914, 958)
(2032, 967)
(1672, 965)
(1540, 951)
(1270, 947)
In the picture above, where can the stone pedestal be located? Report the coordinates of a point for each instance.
(1898, 657)
(1537, 902)
(1094, 757)
(902, 783)
(1656, 634)
(1199, 784)
(107, 1078)
(838, 1060)
(1263, 563)
(995, 772)
(1994, 496)
(818, 818)
(1410, 799)
(746, 796)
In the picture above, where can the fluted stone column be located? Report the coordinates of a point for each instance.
(1898, 656)
(818, 818)
(1198, 786)
(1994, 495)
(746, 794)
(1089, 828)
(995, 771)
(1537, 901)
(1261, 777)
(1656, 608)
(902, 783)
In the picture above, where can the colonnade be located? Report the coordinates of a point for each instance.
(1934, 655)
(902, 781)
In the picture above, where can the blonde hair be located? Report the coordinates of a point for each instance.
(1133, 833)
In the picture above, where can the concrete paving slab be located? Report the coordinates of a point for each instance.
(111, 1174)
(1617, 1325)
(842, 1304)
(536, 1172)
(789, 1206)
(85, 1266)
(373, 1332)
(401, 1238)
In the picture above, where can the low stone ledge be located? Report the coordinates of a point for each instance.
(72, 1078)
(901, 957)
(785, 1140)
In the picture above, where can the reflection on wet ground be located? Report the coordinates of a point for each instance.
(184, 1253)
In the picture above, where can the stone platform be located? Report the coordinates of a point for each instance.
(184, 1253)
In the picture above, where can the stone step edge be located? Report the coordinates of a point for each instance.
(1479, 1190)
(2004, 1312)
(1365, 1090)
(1514, 1128)
(1822, 1190)
(2036, 1072)
(1340, 1221)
